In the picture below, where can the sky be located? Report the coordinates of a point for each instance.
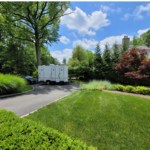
(103, 22)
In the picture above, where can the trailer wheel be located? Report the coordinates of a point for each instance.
(48, 82)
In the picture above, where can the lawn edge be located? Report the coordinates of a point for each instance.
(15, 94)
(42, 107)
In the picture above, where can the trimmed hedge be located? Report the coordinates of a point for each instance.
(21, 133)
(131, 89)
(10, 83)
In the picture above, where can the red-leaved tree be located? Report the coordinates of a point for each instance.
(133, 64)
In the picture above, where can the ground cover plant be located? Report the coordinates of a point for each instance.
(132, 89)
(101, 119)
(21, 133)
(10, 83)
(98, 85)
(78, 81)
(24, 88)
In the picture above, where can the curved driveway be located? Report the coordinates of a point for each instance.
(39, 97)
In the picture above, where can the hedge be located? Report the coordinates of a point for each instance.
(21, 133)
(10, 83)
(132, 89)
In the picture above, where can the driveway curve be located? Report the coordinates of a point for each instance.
(41, 95)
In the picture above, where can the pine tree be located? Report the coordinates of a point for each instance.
(107, 63)
(98, 63)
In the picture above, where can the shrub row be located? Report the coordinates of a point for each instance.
(21, 133)
(10, 83)
(131, 89)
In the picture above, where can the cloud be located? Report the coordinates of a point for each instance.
(137, 14)
(87, 44)
(66, 53)
(111, 40)
(107, 9)
(64, 40)
(83, 23)
(142, 31)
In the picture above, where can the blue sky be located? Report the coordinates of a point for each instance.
(103, 22)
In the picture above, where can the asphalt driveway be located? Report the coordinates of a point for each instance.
(39, 97)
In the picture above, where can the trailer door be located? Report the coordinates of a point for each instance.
(41, 73)
(53, 74)
(61, 73)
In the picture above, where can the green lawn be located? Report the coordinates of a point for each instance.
(24, 88)
(104, 120)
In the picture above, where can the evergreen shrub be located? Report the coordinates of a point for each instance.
(21, 133)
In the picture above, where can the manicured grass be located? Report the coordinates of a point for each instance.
(98, 85)
(24, 88)
(104, 120)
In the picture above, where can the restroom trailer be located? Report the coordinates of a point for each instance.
(52, 73)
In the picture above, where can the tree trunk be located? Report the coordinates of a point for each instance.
(38, 53)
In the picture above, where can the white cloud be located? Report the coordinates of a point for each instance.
(142, 31)
(106, 9)
(87, 44)
(137, 14)
(111, 40)
(66, 53)
(82, 22)
(64, 40)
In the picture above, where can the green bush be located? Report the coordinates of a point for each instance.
(129, 89)
(120, 87)
(10, 83)
(21, 133)
(35, 74)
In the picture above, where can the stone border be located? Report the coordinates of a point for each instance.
(43, 106)
(9, 95)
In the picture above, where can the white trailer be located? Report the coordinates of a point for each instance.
(52, 73)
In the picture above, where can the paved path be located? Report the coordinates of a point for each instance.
(39, 97)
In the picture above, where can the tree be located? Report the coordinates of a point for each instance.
(79, 53)
(64, 61)
(73, 62)
(136, 41)
(36, 22)
(124, 48)
(133, 64)
(146, 38)
(98, 63)
(107, 63)
(90, 58)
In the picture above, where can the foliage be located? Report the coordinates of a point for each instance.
(73, 62)
(20, 133)
(133, 65)
(10, 84)
(98, 85)
(124, 48)
(137, 41)
(98, 63)
(24, 88)
(108, 121)
(90, 58)
(131, 89)
(79, 53)
(35, 22)
(35, 74)
(108, 66)
(146, 38)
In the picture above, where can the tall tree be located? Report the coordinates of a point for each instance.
(136, 41)
(124, 48)
(36, 22)
(107, 63)
(98, 63)
(90, 58)
(79, 53)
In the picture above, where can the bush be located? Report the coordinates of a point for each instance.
(10, 83)
(138, 89)
(120, 87)
(81, 78)
(129, 89)
(21, 133)
(35, 74)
